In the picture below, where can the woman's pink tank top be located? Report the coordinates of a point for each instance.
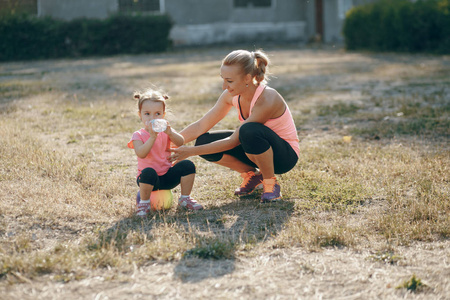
(283, 126)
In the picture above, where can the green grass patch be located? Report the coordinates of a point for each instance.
(339, 110)
(320, 190)
(414, 284)
(412, 115)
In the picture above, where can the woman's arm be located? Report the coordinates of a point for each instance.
(270, 105)
(225, 144)
(174, 136)
(211, 118)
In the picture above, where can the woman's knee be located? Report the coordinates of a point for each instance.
(253, 139)
(210, 137)
(206, 139)
(250, 130)
(212, 157)
(203, 139)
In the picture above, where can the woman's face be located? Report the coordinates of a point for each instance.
(233, 79)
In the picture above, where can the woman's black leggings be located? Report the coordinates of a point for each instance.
(169, 180)
(255, 138)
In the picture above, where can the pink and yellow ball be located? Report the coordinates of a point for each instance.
(159, 199)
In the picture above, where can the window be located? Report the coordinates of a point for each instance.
(252, 3)
(140, 5)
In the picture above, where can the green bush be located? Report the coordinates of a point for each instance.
(399, 25)
(24, 37)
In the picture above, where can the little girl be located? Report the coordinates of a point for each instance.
(155, 171)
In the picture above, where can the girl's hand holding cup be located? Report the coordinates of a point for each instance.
(159, 125)
(149, 128)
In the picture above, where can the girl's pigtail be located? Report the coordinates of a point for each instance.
(137, 96)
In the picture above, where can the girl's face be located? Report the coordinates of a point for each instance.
(151, 110)
(233, 80)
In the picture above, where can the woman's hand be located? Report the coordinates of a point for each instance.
(180, 153)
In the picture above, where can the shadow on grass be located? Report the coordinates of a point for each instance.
(203, 244)
(235, 227)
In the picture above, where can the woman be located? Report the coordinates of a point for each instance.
(266, 142)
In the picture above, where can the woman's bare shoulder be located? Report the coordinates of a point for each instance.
(270, 95)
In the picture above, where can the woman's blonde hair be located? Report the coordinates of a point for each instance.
(150, 95)
(254, 63)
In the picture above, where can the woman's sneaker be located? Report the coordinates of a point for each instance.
(251, 182)
(272, 190)
(189, 203)
(142, 209)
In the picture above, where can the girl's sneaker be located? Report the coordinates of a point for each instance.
(189, 203)
(272, 190)
(251, 182)
(143, 209)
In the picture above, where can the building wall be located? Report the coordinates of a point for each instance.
(194, 12)
(202, 22)
(72, 9)
(208, 22)
(332, 23)
(281, 11)
(310, 19)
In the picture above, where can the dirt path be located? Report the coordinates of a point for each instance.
(274, 274)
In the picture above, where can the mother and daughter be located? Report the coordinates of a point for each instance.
(264, 144)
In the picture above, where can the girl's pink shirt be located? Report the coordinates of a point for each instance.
(157, 157)
(283, 126)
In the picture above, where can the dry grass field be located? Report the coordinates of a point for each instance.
(366, 217)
